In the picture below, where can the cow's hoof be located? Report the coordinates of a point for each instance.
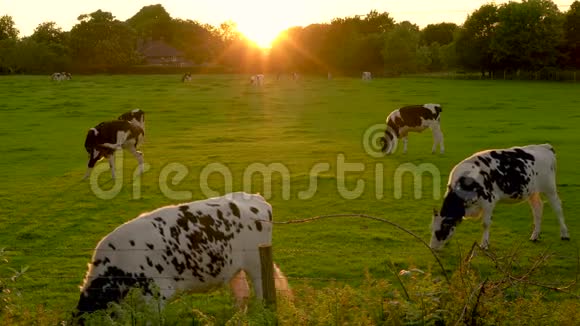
(534, 240)
(565, 238)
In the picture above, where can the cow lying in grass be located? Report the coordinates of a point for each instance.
(477, 183)
(191, 247)
(414, 118)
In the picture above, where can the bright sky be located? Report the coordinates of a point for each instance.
(260, 20)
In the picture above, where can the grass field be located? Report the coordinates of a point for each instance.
(50, 220)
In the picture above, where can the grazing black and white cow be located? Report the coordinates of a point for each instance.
(136, 116)
(60, 76)
(192, 247)
(103, 140)
(413, 118)
(257, 79)
(477, 183)
(186, 77)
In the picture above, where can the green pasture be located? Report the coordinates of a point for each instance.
(50, 220)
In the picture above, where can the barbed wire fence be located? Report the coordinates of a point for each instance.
(45, 282)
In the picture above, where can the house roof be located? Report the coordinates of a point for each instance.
(159, 48)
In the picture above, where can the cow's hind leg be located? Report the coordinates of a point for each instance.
(112, 165)
(139, 156)
(557, 207)
(437, 139)
(537, 206)
(240, 289)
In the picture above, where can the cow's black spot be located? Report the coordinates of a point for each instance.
(445, 230)
(235, 209)
(485, 160)
(112, 246)
(269, 215)
(179, 266)
(97, 262)
(254, 210)
(259, 225)
(212, 205)
(159, 268)
(150, 246)
(149, 262)
(512, 173)
(132, 243)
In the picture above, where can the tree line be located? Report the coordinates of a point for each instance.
(530, 36)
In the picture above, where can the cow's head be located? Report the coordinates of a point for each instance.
(442, 229)
(388, 141)
(452, 212)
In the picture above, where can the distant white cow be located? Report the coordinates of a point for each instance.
(480, 181)
(257, 79)
(414, 118)
(192, 247)
(186, 77)
(366, 75)
(60, 76)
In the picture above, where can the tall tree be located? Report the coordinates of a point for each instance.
(51, 51)
(441, 33)
(100, 41)
(200, 43)
(529, 35)
(572, 35)
(474, 39)
(7, 29)
(400, 50)
(48, 33)
(153, 23)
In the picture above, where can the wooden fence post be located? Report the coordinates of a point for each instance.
(267, 266)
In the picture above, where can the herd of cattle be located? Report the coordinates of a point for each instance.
(203, 244)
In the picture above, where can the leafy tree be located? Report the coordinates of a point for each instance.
(153, 23)
(8, 42)
(200, 43)
(7, 29)
(441, 33)
(528, 36)
(48, 33)
(100, 41)
(474, 39)
(448, 56)
(400, 50)
(377, 23)
(572, 34)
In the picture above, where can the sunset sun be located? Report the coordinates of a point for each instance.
(261, 34)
